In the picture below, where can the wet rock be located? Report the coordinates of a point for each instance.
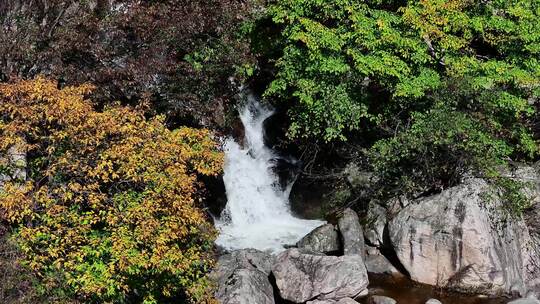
(378, 264)
(242, 278)
(381, 300)
(323, 239)
(433, 301)
(460, 240)
(352, 234)
(302, 276)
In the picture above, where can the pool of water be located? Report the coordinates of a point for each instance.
(404, 291)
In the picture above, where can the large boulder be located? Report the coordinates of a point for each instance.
(246, 286)
(352, 234)
(244, 259)
(302, 276)
(323, 239)
(462, 239)
(242, 278)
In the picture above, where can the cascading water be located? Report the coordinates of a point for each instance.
(257, 214)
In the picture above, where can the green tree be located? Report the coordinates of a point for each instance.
(454, 78)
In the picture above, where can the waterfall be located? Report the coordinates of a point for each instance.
(257, 214)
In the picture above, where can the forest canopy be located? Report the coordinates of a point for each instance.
(432, 89)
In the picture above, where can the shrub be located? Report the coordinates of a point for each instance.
(110, 211)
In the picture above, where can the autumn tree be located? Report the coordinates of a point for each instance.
(181, 53)
(111, 209)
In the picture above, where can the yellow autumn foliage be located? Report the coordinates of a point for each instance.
(111, 210)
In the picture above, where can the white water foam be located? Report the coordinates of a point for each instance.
(257, 214)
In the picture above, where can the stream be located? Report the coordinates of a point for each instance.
(258, 214)
(403, 290)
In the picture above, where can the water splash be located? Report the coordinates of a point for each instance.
(257, 214)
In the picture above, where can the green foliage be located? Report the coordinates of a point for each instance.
(19, 285)
(332, 51)
(515, 202)
(435, 151)
(435, 88)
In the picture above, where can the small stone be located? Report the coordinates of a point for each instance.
(363, 293)
(381, 300)
(433, 301)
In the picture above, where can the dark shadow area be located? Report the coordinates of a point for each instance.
(388, 251)
(215, 196)
(403, 290)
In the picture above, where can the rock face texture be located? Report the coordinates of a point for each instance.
(302, 276)
(246, 286)
(525, 301)
(15, 162)
(323, 239)
(244, 259)
(352, 234)
(378, 264)
(242, 278)
(374, 230)
(457, 239)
